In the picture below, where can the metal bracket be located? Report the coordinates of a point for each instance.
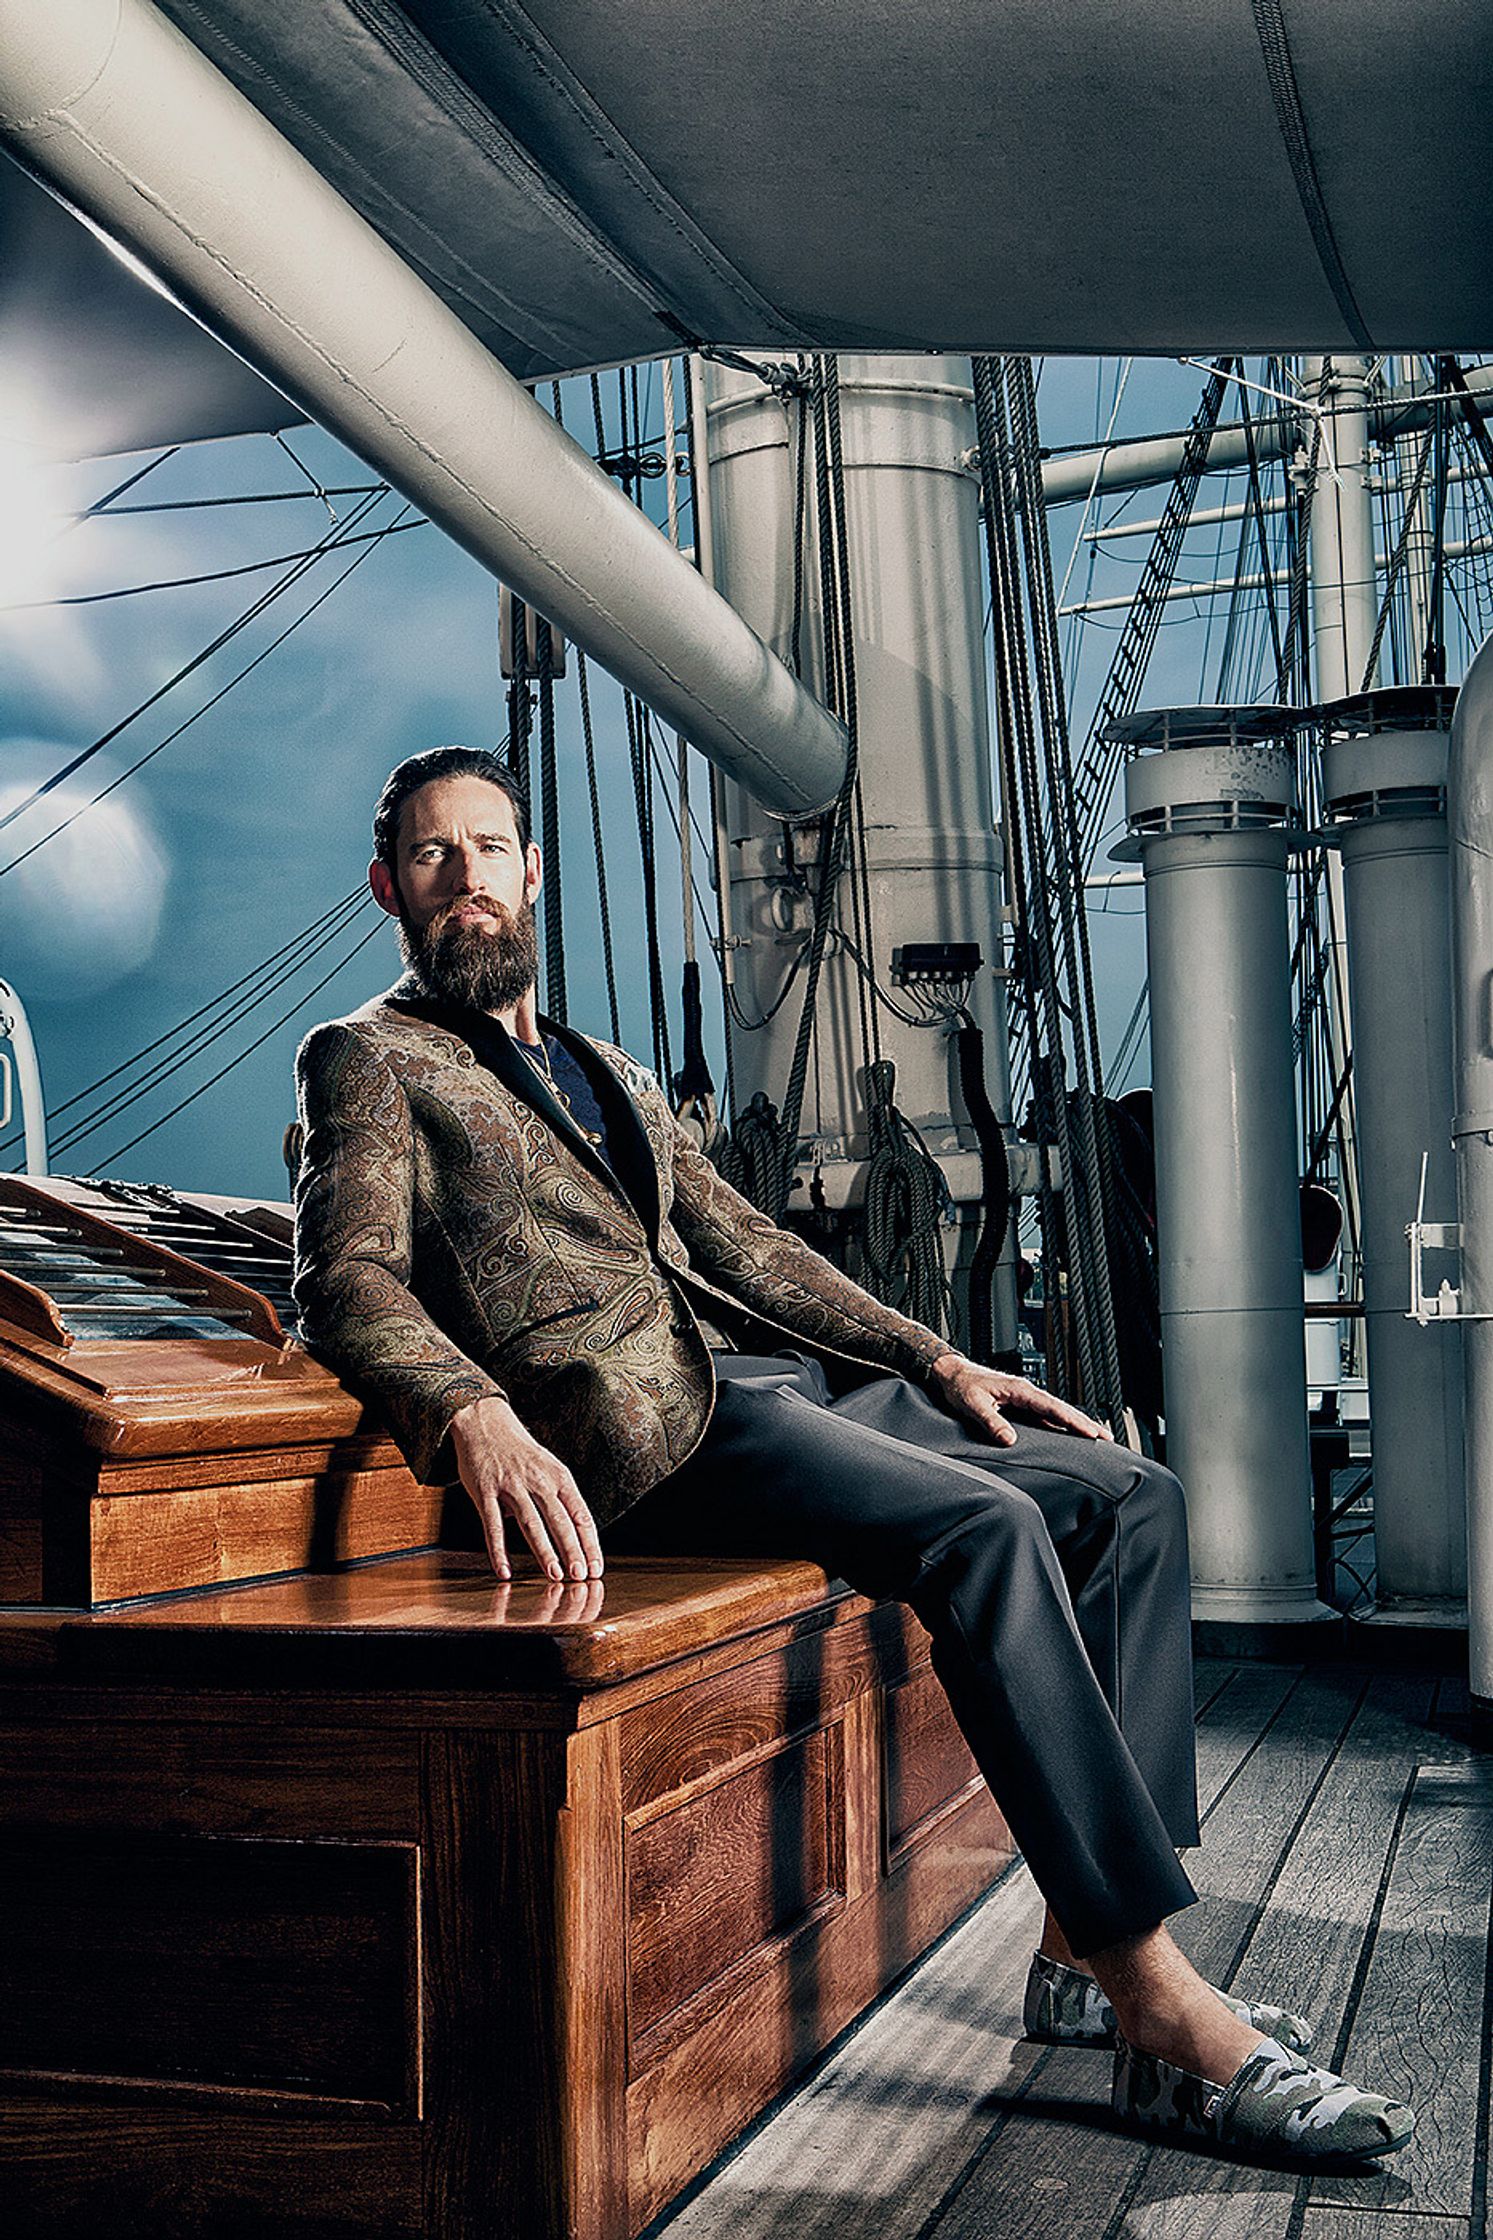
(1445, 1303)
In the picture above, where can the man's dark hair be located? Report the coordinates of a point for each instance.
(442, 762)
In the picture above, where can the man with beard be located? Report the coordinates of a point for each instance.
(506, 1239)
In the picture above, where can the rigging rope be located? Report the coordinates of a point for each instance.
(261, 979)
(293, 575)
(221, 694)
(211, 1083)
(1044, 860)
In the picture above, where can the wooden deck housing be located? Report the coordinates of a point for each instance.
(397, 1902)
(378, 1898)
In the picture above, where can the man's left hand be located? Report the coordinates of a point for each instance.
(980, 1393)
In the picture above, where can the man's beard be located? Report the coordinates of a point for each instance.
(484, 967)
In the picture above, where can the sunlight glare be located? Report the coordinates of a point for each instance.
(32, 519)
(85, 910)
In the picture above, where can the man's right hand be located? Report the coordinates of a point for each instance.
(509, 1474)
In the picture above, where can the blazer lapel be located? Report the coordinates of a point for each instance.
(627, 1139)
(631, 1172)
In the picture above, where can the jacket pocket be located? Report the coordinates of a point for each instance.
(548, 1321)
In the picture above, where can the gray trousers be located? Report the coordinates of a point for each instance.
(1052, 1578)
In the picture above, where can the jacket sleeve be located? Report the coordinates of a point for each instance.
(354, 1224)
(776, 1274)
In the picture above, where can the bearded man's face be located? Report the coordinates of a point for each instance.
(463, 891)
(487, 962)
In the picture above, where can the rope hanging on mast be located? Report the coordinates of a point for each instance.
(1052, 940)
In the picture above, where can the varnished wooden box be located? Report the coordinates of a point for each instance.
(394, 1901)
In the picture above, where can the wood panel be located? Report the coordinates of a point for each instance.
(703, 2088)
(20, 1531)
(725, 1875)
(928, 1761)
(210, 1960)
(591, 1988)
(687, 1737)
(176, 1538)
(176, 2175)
(183, 1777)
(494, 2085)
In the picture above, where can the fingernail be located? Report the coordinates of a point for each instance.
(578, 1571)
(555, 1572)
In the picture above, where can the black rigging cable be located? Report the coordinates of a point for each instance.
(222, 638)
(185, 583)
(336, 915)
(588, 735)
(259, 1041)
(197, 713)
(166, 1068)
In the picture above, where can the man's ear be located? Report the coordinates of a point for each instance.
(381, 880)
(533, 873)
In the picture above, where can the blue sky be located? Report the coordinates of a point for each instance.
(251, 824)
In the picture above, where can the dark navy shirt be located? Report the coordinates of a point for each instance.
(574, 1086)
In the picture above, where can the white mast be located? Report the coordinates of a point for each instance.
(934, 855)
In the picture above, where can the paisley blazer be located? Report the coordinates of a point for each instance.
(457, 1235)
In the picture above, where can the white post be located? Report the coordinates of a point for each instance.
(1385, 791)
(1345, 610)
(1208, 816)
(15, 1029)
(1469, 807)
(128, 121)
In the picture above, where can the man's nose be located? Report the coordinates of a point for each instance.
(465, 870)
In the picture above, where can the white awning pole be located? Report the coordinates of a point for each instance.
(115, 110)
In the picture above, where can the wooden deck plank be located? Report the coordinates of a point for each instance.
(1416, 2031)
(1233, 1722)
(1324, 2221)
(1252, 1824)
(1210, 1675)
(1306, 1948)
(869, 2144)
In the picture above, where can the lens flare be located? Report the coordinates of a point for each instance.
(85, 910)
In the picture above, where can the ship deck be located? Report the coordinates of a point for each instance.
(1346, 1869)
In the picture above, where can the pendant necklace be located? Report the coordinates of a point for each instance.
(539, 1058)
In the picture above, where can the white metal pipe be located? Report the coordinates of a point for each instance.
(1344, 599)
(1469, 802)
(1153, 461)
(1457, 548)
(126, 120)
(1399, 963)
(1227, 1213)
(1209, 517)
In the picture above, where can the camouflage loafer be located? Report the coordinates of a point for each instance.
(1064, 2007)
(1275, 2105)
